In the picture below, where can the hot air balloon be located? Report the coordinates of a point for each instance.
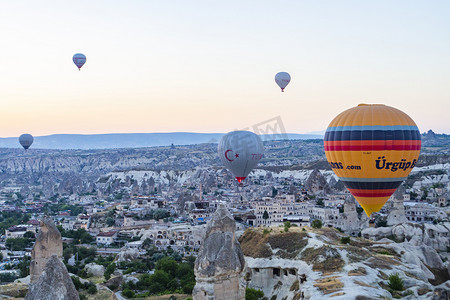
(79, 59)
(372, 148)
(282, 79)
(240, 152)
(26, 140)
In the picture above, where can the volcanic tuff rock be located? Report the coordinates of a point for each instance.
(54, 283)
(307, 263)
(316, 182)
(435, 236)
(94, 269)
(220, 261)
(48, 243)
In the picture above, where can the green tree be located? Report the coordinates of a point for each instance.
(92, 289)
(109, 270)
(274, 192)
(316, 224)
(253, 294)
(395, 282)
(287, 225)
(168, 265)
(18, 244)
(159, 281)
(110, 221)
(345, 240)
(265, 215)
(319, 202)
(128, 293)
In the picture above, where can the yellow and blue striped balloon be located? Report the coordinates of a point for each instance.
(372, 148)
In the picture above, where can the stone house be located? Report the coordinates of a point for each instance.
(106, 238)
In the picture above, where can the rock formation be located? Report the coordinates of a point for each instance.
(317, 183)
(54, 283)
(48, 243)
(220, 262)
(94, 269)
(397, 213)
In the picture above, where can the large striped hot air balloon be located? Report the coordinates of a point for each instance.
(372, 148)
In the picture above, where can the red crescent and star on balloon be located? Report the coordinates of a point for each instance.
(226, 155)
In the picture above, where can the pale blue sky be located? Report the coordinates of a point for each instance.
(209, 66)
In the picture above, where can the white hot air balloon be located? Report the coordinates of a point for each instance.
(79, 60)
(26, 140)
(240, 152)
(282, 79)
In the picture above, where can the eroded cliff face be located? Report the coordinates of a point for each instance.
(219, 265)
(313, 264)
(48, 243)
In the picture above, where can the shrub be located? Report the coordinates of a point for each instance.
(253, 294)
(287, 225)
(317, 224)
(395, 282)
(345, 239)
(92, 290)
(128, 293)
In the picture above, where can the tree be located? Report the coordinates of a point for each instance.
(159, 281)
(287, 225)
(345, 240)
(110, 221)
(395, 282)
(128, 293)
(265, 215)
(317, 224)
(274, 192)
(109, 270)
(319, 202)
(168, 265)
(253, 294)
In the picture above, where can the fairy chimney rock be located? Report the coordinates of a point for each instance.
(219, 264)
(48, 243)
(54, 283)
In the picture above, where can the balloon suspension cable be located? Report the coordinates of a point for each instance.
(282, 90)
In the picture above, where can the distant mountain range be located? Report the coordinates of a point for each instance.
(134, 140)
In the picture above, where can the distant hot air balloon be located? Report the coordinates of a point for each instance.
(26, 140)
(372, 148)
(282, 79)
(240, 152)
(79, 59)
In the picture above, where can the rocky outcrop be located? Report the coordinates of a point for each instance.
(435, 236)
(397, 212)
(316, 264)
(48, 243)
(54, 283)
(13, 290)
(128, 255)
(316, 182)
(94, 269)
(220, 261)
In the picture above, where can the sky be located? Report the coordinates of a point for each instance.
(209, 66)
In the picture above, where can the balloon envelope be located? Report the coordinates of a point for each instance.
(240, 152)
(372, 149)
(282, 79)
(79, 59)
(26, 140)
